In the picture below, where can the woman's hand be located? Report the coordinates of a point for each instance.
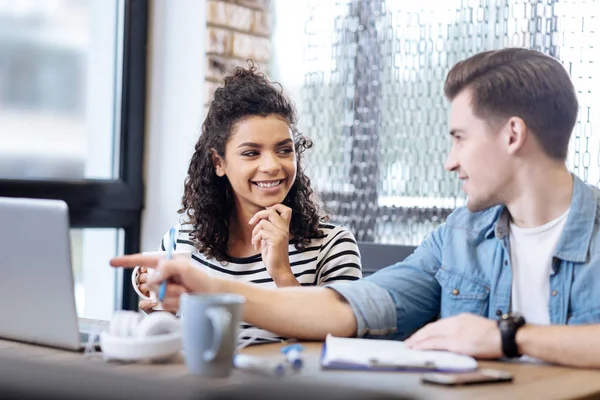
(271, 234)
(179, 272)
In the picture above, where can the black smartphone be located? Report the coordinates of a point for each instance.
(467, 378)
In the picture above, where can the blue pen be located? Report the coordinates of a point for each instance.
(171, 246)
(293, 356)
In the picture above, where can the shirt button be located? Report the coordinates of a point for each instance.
(498, 312)
(455, 292)
(505, 262)
(554, 293)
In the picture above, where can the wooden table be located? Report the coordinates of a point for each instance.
(531, 381)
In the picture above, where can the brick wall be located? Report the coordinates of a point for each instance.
(237, 30)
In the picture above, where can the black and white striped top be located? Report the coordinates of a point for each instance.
(334, 257)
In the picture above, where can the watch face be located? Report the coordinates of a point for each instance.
(516, 318)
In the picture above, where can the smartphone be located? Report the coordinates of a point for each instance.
(467, 378)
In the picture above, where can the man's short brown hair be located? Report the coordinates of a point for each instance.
(522, 83)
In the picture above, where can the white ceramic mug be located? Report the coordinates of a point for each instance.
(210, 327)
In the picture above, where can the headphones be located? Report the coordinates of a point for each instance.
(132, 336)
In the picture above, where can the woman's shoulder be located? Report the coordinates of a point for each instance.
(331, 235)
(182, 236)
(183, 230)
(329, 229)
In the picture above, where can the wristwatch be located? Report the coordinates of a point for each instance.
(509, 324)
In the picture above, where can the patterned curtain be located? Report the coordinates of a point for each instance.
(372, 100)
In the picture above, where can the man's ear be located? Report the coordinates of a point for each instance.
(516, 134)
(218, 163)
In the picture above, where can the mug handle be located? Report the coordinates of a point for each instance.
(220, 320)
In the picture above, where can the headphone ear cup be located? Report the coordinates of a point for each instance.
(157, 323)
(134, 320)
(123, 323)
(115, 328)
(133, 336)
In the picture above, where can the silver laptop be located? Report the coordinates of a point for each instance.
(37, 294)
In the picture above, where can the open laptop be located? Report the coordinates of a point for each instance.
(37, 294)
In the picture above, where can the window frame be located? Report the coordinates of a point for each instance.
(111, 203)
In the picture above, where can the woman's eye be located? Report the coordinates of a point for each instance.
(250, 154)
(286, 151)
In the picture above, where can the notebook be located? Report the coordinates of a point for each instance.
(389, 355)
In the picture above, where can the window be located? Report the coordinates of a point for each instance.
(60, 64)
(72, 100)
(95, 283)
(372, 97)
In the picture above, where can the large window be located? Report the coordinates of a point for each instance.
(371, 96)
(60, 80)
(72, 96)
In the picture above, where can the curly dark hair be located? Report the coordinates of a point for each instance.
(207, 199)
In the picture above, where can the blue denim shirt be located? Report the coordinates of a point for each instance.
(464, 266)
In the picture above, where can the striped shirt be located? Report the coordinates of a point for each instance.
(334, 257)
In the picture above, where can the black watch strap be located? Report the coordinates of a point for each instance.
(509, 324)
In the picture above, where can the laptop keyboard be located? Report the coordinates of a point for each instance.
(88, 327)
(84, 337)
(92, 325)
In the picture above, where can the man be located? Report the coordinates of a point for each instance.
(526, 242)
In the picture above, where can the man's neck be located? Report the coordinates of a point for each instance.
(543, 193)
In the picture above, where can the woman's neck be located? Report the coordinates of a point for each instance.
(240, 233)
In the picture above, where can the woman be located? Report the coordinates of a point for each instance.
(249, 211)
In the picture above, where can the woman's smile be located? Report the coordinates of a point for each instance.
(270, 186)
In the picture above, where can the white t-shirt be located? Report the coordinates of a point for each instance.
(531, 252)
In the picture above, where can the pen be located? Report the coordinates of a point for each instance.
(293, 356)
(163, 285)
(258, 365)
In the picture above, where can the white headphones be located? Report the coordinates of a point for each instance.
(132, 336)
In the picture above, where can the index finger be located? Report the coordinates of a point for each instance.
(135, 260)
(284, 211)
(270, 215)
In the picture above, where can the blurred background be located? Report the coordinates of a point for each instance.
(101, 102)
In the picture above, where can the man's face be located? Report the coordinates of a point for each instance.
(478, 155)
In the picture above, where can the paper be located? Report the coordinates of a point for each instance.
(389, 354)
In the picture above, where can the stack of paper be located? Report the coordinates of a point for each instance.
(344, 353)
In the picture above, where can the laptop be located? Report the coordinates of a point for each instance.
(37, 294)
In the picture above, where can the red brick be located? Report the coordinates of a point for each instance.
(230, 15)
(262, 23)
(251, 47)
(258, 4)
(217, 67)
(219, 41)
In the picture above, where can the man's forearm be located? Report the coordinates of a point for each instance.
(298, 312)
(577, 346)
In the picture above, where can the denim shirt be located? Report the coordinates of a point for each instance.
(464, 266)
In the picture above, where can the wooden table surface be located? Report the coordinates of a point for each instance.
(531, 380)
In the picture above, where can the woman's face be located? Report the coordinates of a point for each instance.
(260, 162)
